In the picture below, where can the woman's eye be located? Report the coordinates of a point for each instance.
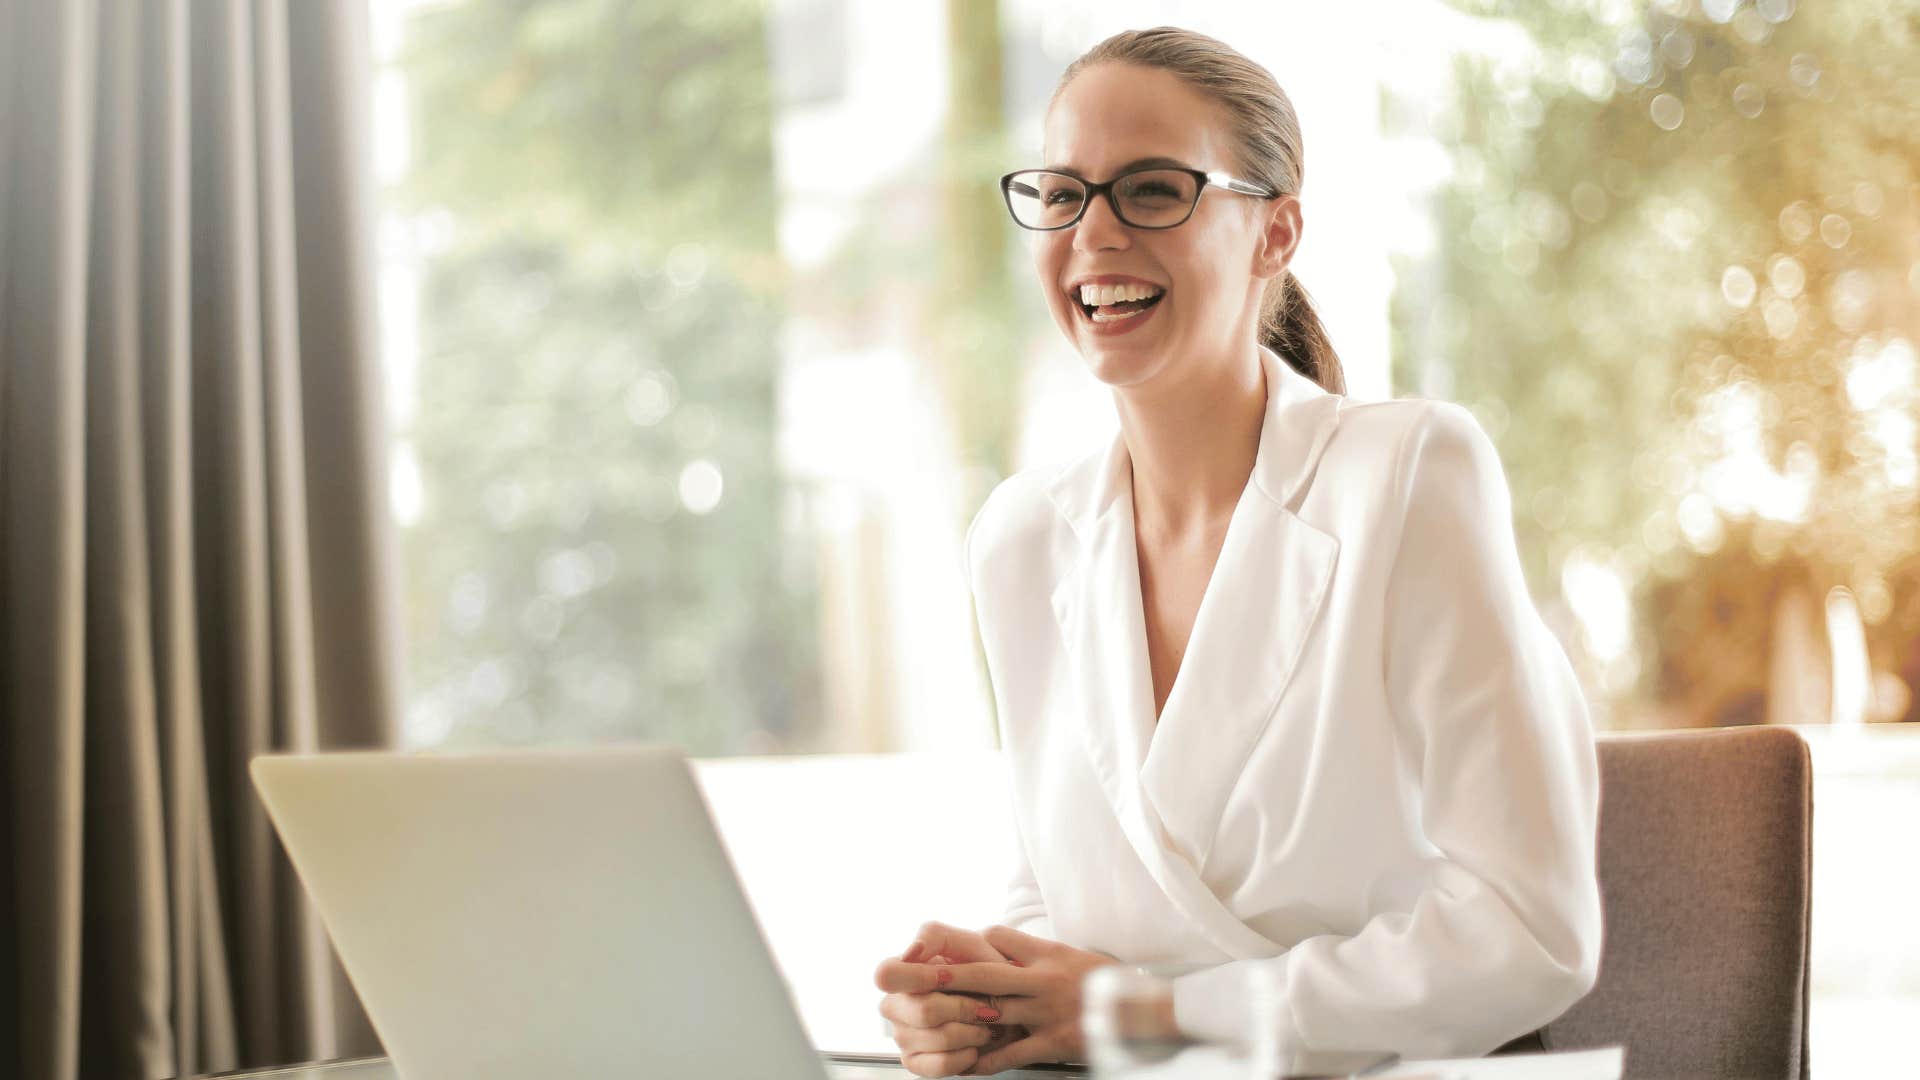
(1153, 191)
(1056, 198)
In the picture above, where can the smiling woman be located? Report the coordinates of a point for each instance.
(1272, 689)
(1250, 121)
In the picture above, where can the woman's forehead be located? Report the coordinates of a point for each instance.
(1111, 115)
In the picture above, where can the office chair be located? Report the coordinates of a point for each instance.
(1705, 857)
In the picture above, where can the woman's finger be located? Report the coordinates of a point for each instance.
(898, 976)
(982, 978)
(929, 1010)
(957, 945)
(1031, 1012)
(1025, 1052)
(1016, 944)
(951, 1063)
(894, 974)
(949, 1036)
(1003, 1035)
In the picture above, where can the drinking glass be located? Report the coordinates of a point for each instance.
(1120, 1011)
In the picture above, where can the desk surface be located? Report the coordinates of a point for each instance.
(1603, 1064)
(382, 1069)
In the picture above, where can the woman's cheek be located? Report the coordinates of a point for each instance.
(1045, 273)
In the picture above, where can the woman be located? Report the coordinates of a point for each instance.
(1268, 675)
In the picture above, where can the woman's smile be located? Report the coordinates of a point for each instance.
(1112, 304)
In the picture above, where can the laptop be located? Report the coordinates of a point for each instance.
(543, 913)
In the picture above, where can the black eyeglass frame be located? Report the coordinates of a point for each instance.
(1203, 179)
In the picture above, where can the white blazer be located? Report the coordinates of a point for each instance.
(1375, 771)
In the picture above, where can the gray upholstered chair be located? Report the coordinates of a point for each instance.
(1705, 852)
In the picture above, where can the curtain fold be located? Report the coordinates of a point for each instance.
(195, 564)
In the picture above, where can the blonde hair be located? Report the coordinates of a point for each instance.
(1267, 134)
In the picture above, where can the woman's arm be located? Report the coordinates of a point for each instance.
(1495, 732)
(1025, 910)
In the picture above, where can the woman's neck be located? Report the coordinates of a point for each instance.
(1193, 443)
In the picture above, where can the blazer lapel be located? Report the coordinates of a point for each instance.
(1168, 784)
(1098, 606)
(1097, 603)
(1272, 575)
(1260, 605)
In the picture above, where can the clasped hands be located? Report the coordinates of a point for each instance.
(968, 1004)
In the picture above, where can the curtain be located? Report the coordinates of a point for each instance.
(194, 559)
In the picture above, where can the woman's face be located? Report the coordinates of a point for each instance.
(1212, 267)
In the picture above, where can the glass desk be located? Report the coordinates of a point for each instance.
(839, 1067)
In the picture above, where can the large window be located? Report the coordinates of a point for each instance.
(708, 335)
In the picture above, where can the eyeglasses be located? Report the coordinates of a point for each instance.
(1144, 198)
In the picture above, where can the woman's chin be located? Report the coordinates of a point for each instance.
(1119, 364)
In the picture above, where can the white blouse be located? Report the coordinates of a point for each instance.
(1375, 771)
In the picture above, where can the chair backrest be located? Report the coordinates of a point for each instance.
(1705, 852)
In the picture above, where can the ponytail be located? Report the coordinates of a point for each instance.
(1290, 326)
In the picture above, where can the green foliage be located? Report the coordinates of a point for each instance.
(974, 313)
(602, 314)
(1604, 185)
(637, 125)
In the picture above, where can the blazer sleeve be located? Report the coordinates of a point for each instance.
(1024, 909)
(1495, 732)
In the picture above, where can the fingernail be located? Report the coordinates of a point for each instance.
(943, 977)
(912, 956)
(989, 1015)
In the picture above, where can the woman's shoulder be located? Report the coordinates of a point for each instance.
(1023, 538)
(1017, 516)
(1392, 439)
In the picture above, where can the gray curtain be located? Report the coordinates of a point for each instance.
(194, 559)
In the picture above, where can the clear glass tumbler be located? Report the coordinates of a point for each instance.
(1122, 1011)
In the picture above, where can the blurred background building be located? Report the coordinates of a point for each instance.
(708, 333)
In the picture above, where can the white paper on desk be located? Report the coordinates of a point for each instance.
(1216, 1063)
(1602, 1064)
(1194, 1063)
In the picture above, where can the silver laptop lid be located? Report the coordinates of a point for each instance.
(546, 913)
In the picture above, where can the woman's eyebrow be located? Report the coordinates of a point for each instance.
(1137, 163)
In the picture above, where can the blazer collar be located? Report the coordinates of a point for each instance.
(1299, 418)
(1168, 781)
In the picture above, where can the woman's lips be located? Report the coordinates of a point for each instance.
(1124, 324)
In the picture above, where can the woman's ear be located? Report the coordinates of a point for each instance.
(1279, 235)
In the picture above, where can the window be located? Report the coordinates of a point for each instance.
(708, 335)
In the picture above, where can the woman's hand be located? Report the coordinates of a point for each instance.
(939, 1033)
(1037, 988)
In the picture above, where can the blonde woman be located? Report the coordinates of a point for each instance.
(1269, 680)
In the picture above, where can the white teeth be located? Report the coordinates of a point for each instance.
(1099, 295)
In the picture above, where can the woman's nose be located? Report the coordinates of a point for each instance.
(1099, 229)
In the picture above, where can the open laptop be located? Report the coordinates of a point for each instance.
(555, 913)
(549, 913)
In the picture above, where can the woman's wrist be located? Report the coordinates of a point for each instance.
(1163, 1016)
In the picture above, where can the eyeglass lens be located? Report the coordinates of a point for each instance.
(1155, 198)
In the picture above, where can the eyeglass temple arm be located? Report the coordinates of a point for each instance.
(1223, 180)
(1019, 188)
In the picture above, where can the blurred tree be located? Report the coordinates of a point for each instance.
(933, 250)
(1676, 277)
(602, 550)
(972, 312)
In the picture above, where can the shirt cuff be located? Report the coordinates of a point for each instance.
(1211, 1004)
